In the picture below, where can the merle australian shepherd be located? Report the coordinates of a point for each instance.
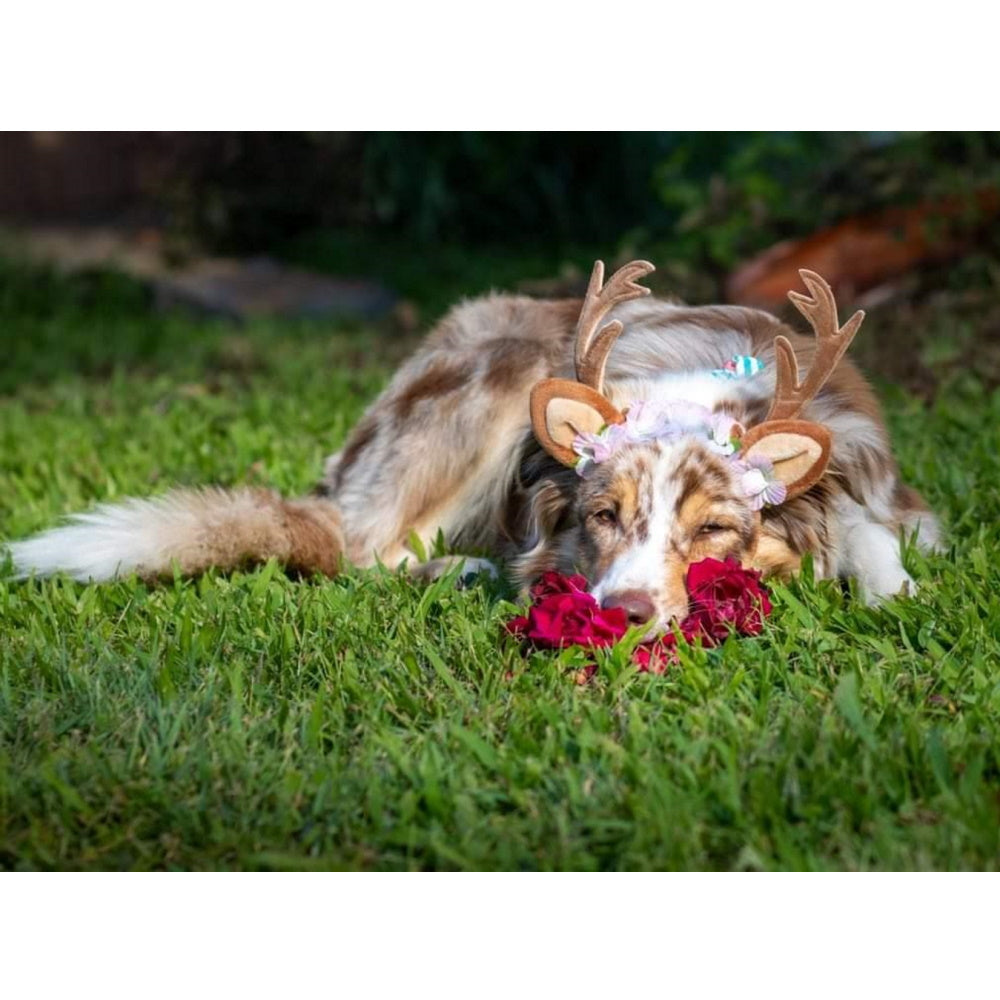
(620, 436)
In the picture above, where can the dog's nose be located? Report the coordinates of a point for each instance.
(637, 604)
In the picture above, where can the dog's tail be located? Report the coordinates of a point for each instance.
(190, 529)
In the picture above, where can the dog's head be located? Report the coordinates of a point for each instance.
(667, 483)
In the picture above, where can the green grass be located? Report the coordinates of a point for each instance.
(258, 722)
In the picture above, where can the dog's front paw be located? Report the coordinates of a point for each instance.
(472, 568)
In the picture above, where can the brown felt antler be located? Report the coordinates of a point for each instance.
(799, 450)
(593, 346)
(560, 408)
(791, 395)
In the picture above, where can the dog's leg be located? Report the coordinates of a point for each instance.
(870, 552)
(472, 567)
(917, 519)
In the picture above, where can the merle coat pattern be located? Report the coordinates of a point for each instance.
(449, 446)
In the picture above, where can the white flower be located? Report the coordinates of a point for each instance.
(760, 484)
(753, 482)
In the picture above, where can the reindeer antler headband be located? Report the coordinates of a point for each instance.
(564, 412)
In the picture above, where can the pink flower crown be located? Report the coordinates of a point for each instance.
(653, 420)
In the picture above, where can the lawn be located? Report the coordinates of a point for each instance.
(254, 721)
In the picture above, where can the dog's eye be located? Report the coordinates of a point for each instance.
(711, 528)
(606, 516)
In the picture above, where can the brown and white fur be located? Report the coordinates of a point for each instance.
(448, 446)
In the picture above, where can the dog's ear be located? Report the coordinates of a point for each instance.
(561, 409)
(799, 450)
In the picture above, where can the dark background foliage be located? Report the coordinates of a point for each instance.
(716, 196)
(724, 194)
(437, 216)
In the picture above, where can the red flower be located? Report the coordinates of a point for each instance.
(551, 583)
(654, 657)
(564, 614)
(724, 598)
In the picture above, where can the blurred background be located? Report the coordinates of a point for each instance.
(388, 229)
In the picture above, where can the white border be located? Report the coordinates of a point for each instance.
(514, 935)
(108, 64)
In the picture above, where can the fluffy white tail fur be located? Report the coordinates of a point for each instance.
(190, 529)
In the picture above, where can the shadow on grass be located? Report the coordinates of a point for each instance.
(94, 323)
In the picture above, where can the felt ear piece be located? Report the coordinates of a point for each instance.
(798, 449)
(561, 409)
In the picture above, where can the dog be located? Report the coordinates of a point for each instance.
(621, 436)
